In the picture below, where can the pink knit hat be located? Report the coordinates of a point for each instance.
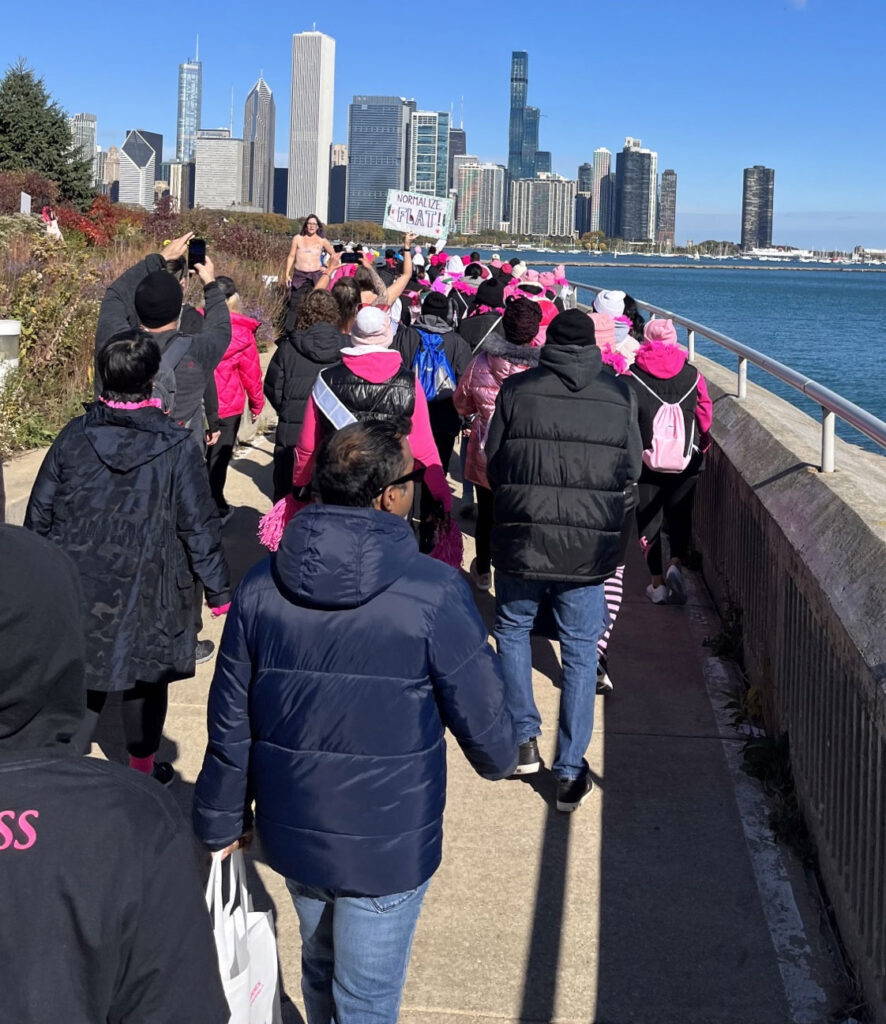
(547, 279)
(604, 329)
(660, 330)
(372, 327)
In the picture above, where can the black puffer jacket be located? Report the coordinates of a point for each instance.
(562, 446)
(367, 400)
(292, 372)
(475, 329)
(441, 412)
(127, 496)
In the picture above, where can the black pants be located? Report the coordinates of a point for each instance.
(427, 531)
(144, 714)
(483, 528)
(218, 458)
(284, 463)
(666, 498)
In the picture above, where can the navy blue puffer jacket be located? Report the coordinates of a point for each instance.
(344, 657)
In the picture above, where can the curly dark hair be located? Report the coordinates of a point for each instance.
(318, 308)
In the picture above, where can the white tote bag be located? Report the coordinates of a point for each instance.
(246, 945)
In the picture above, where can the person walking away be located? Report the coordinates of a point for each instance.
(562, 446)
(672, 396)
(349, 797)
(96, 861)
(501, 356)
(124, 491)
(317, 343)
(238, 377)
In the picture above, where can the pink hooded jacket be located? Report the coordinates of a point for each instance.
(239, 375)
(478, 389)
(665, 360)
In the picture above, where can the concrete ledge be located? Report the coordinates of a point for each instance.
(19, 474)
(803, 554)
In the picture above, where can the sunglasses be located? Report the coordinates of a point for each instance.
(416, 476)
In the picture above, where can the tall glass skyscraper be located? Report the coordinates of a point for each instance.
(190, 98)
(458, 146)
(310, 124)
(585, 177)
(667, 208)
(378, 153)
(757, 198)
(429, 153)
(259, 120)
(519, 95)
(636, 171)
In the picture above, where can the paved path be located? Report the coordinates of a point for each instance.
(643, 906)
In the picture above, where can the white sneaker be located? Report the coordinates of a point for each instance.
(657, 595)
(674, 583)
(481, 580)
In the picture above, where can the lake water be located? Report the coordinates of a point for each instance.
(827, 324)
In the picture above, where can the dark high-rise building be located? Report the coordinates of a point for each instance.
(530, 141)
(542, 162)
(585, 177)
(608, 205)
(281, 186)
(756, 207)
(636, 172)
(458, 146)
(582, 213)
(378, 150)
(667, 208)
(519, 94)
(338, 183)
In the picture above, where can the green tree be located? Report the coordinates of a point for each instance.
(35, 136)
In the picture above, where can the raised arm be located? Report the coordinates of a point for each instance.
(395, 290)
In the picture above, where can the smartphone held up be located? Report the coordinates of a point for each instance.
(196, 252)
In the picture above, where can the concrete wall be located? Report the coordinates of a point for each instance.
(803, 554)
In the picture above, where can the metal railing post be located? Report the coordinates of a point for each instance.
(742, 377)
(691, 341)
(828, 420)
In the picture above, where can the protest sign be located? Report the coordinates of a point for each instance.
(428, 216)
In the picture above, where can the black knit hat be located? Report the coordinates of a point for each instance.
(436, 304)
(571, 327)
(521, 320)
(491, 293)
(158, 299)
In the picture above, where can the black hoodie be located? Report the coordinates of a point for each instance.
(103, 918)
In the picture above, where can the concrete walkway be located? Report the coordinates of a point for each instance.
(643, 906)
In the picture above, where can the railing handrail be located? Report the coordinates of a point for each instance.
(830, 401)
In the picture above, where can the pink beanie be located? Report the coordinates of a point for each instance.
(372, 327)
(604, 329)
(547, 279)
(531, 275)
(660, 330)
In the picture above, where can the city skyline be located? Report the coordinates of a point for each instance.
(709, 136)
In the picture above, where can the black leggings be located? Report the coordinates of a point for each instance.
(666, 498)
(144, 714)
(483, 528)
(218, 458)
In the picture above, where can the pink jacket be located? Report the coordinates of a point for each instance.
(239, 372)
(478, 389)
(376, 365)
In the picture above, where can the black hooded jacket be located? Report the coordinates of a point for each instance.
(562, 446)
(103, 916)
(127, 496)
(292, 372)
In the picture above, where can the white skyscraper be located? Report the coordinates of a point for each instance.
(480, 196)
(310, 124)
(83, 131)
(219, 170)
(429, 153)
(602, 163)
(543, 206)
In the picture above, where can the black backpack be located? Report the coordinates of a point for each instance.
(180, 382)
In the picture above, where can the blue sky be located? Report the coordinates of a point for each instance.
(712, 85)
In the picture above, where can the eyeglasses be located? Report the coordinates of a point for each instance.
(416, 476)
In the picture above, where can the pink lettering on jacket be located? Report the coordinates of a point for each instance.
(9, 839)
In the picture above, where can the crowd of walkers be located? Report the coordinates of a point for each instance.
(347, 652)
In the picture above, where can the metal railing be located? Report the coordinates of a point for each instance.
(830, 403)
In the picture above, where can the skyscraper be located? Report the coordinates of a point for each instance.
(636, 172)
(667, 208)
(530, 141)
(190, 97)
(608, 205)
(582, 213)
(218, 161)
(542, 161)
(83, 132)
(757, 199)
(310, 124)
(480, 196)
(601, 167)
(111, 182)
(378, 156)
(519, 94)
(338, 182)
(281, 184)
(140, 159)
(585, 177)
(458, 146)
(429, 153)
(259, 121)
(543, 206)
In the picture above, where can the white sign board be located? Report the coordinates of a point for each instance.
(25, 203)
(427, 216)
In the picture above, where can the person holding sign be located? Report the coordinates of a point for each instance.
(303, 263)
(373, 291)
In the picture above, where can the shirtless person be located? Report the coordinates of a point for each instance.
(304, 254)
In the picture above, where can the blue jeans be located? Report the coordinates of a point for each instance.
(355, 952)
(581, 617)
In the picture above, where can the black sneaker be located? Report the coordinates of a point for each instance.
(529, 761)
(205, 650)
(571, 793)
(604, 683)
(163, 772)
